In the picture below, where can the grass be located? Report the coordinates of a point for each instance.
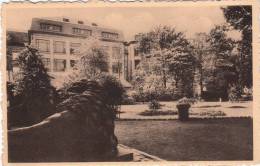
(207, 139)
(235, 106)
(205, 113)
(157, 112)
(211, 113)
(208, 106)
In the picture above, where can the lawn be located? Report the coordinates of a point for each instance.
(198, 110)
(207, 139)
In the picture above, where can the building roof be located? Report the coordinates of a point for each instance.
(69, 24)
(15, 38)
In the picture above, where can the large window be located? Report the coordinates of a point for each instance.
(59, 47)
(136, 52)
(117, 67)
(47, 63)
(82, 31)
(43, 45)
(109, 35)
(105, 49)
(116, 53)
(51, 27)
(75, 48)
(59, 65)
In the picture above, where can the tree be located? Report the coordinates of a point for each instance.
(201, 51)
(93, 62)
(162, 44)
(222, 71)
(182, 67)
(34, 92)
(240, 18)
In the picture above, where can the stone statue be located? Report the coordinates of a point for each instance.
(82, 130)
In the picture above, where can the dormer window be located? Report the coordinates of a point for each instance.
(84, 32)
(109, 35)
(66, 20)
(80, 22)
(51, 27)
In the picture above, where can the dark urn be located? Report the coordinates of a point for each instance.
(183, 111)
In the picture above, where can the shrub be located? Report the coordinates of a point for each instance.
(127, 100)
(34, 96)
(187, 101)
(113, 90)
(156, 113)
(160, 94)
(154, 105)
(233, 94)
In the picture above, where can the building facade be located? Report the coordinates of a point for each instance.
(16, 41)
(61, 41)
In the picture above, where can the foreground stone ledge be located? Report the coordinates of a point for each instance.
(137, 155)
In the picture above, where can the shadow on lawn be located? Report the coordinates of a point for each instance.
(193, 140)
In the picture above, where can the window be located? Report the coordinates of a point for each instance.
(59, 47)
(66, 20)
(105, 49)
(80, 22)
(47, 63)
(51, 27)
(109, 35)
(82, 31)
(136, 52)
(43, 45)
(116, 53)
(75, 48)
(59, 65)
(117, 67)
(73, 63)
(15, 63)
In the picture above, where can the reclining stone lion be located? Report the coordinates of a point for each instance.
(82, 130)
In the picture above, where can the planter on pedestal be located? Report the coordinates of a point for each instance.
(183, 111)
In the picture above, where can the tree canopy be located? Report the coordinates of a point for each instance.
(240, 18)
(170, 51)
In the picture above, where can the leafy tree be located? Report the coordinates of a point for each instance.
(222, 69)
(93, 62)
(34, 92)
(240, 18)
(164, 45)
(182, 67)
(201, 52)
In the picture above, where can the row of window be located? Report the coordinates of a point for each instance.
(78, 31)
(109, 35)
(60, 47)
(59, 65)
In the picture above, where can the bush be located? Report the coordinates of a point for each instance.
(113, 90)
(154, 105)
(160, 94)
(234, 94)
(128, 100)
(34, 96)
(156, 113)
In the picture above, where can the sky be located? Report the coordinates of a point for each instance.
(190, 20)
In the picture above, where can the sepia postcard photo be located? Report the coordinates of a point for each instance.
(131, 82)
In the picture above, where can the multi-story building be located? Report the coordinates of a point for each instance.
(62, 40)
(16, 41)
(134, 57)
